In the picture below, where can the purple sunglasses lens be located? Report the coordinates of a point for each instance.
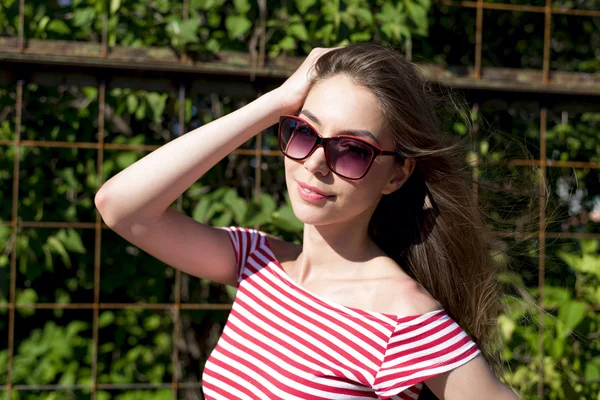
(297, 138)
(347, 157)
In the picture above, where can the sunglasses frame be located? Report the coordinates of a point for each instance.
(324, 142)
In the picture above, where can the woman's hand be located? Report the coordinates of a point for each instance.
(293, 91)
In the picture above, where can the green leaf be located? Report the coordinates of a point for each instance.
(140, 113)
(257, 216)
(157, 103)
(182, 33)
(570, 315)
(395, 31)
(224, 219)
(62, 296)
(304, 5)
(163, 340)
(364, 15)
(126, 158)
(330, 10)
(592, 372)
(298, 31)
(287, 43)
(213, 19)
(4, 261)
(71, 240)
(47, 257)
(590, 264)
(152, 323)
(360, 36)
(135, 353)
(557, 348)
(82, 17)
(425, 3)
(237, 25)
(231, 291)
(58, 26)
(75, 327)
(43, 23)
(237, 205)
(348, 19)
(214, 208)
(132, 103)
(555, 296)
(267, 203)
(69, 177)
(460, 128)
(90, 92)
(57, 247)
(200, 212)
(507, 326)
(114, 6)
(213, 45)
(418, 15)
(242, 6)
(207, 4)
(484, 146)
(286, 220)
(589, 246)
(27, 296)
(68, 377)
(188, 110)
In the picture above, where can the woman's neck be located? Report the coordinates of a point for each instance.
(334, 251)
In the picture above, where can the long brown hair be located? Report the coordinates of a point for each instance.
(433, 226)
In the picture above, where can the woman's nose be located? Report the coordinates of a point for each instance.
(316, 162)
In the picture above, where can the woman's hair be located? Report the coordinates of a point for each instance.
(433, 226)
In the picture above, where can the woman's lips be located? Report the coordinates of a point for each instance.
(313, 189)
(311, 196)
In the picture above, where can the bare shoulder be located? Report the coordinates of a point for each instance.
(408, 297)
(414, 299)
(283, 251)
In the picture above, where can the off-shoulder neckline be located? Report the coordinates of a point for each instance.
(339, 306)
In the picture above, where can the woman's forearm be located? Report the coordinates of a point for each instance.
(148, 187)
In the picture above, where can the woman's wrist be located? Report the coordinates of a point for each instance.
(280, 101)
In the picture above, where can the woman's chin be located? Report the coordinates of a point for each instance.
(309, 214)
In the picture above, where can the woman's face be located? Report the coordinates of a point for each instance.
(332, 106)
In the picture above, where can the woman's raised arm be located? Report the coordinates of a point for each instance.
(135, 203)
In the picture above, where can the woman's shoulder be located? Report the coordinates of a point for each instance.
(407, 297)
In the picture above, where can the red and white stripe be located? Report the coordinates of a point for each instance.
(283, 342)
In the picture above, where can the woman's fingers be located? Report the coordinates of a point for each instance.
(295, 89)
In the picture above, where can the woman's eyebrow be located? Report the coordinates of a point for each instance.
(352, 132)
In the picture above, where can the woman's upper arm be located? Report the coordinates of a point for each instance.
(282, 250)
(184, 243)
(473, 380)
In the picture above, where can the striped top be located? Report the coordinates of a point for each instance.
(283, 342)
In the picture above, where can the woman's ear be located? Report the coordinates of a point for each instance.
(402, 171)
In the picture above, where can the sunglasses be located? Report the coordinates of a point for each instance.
(347, 156)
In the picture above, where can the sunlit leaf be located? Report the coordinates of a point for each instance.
(242, 6)
(114, 6)
(304, 5)
(237, 25)
(570, 315)
(58, 26)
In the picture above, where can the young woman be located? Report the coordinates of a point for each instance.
(393, 288)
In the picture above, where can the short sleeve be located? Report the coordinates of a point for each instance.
(420, 348)
(245, 242)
